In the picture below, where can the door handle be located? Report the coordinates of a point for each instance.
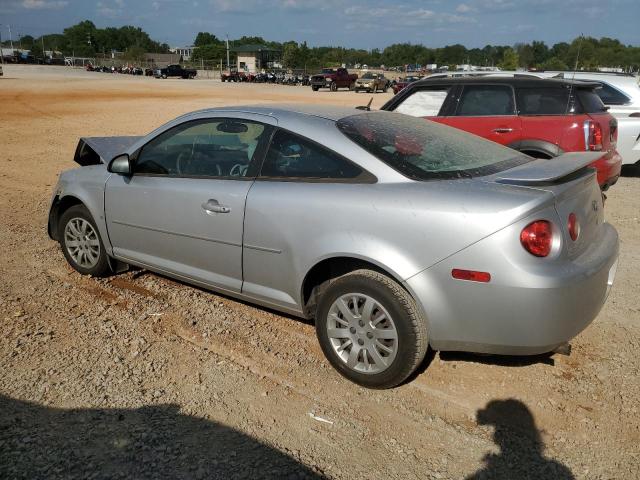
(503, 130)
(212, 206)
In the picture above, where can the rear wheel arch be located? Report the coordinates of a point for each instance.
(537, 148)
(321, 274)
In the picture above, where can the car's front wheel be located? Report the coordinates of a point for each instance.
(370, 329)
(81, 243)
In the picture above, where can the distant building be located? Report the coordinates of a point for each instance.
(254, 58)
(162, 59)
(184, 52)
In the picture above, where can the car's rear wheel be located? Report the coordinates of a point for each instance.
(370, 329)
(81, 243)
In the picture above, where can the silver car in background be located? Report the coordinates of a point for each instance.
(393, 233)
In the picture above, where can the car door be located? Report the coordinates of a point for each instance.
(299, 181)
(489, 111)
(182, 210)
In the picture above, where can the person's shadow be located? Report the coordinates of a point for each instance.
(143, 443)
(521, 447)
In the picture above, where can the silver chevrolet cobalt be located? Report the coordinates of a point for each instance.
(393, 233)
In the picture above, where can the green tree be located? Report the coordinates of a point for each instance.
(205, 38)
(510, 60)
(554, 63)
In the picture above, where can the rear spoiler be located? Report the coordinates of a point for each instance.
(548, 171)
(96, 150)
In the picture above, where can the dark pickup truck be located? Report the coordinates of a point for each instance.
(175, 71)
(333, 79)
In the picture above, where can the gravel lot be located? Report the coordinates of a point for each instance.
(139, 376)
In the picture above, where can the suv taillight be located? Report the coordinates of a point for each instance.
(592, 136)
(537, 238)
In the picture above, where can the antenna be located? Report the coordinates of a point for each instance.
(573, 76)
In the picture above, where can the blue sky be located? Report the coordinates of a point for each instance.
(356, 23)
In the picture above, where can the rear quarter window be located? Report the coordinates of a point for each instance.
(590, 101)
(611, 96)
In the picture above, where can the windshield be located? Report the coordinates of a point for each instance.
(425, 150)
(328, 70)
(368, 75)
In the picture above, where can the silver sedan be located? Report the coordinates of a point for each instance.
(393, 233)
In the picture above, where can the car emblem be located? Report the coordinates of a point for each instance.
(594, 205)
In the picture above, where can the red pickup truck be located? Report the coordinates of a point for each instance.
(333, 79)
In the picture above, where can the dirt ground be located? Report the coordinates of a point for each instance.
(138, 376)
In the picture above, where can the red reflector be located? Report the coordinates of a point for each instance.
(537, 238)
(470, 275)
(573, 226)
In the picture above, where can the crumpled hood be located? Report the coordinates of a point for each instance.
(105, 147)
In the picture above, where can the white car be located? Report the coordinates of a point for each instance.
(621, 93)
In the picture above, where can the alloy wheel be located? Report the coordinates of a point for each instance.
(81, 242)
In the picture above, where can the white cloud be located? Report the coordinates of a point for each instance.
(44, 4)
(464, 8)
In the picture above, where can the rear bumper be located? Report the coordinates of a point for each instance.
(523, 310)
(609, 168)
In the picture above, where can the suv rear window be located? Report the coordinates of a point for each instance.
(591, 102)
(425, 150)
(542, 101)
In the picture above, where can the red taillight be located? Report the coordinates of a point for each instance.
(471, 275)
(537, 238)
(592, 136)
(573, 226)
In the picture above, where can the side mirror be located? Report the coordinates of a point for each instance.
(120, 164)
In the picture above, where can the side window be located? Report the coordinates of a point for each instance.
(291, 156)
(209, 148)
(611, 96)
(424, 103)
(543, 101)
(486, 100)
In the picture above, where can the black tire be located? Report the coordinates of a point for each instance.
(352, 86)
(409, 323)
(101, 267)
(314, 88)
(333, 87)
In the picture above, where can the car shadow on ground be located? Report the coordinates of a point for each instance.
(630, 171)
(139, 272)
(500, 360)
(149, 442)
(521, 453)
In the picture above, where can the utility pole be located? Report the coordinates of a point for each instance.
(1, 52)
(44, 55)
(10, 39)
(228, 62)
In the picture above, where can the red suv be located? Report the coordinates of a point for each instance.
(543, 118)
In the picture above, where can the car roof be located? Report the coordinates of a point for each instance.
(280, 110)
(528, 81)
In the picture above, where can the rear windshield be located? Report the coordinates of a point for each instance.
(425, 150)
(591, 102)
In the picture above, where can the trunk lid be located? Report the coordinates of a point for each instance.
(575, 188)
